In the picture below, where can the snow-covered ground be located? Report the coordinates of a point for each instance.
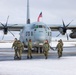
(66, 65)
(53, 44)
(66, 43)
(62, 66)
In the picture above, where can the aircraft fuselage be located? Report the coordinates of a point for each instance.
(38, 32)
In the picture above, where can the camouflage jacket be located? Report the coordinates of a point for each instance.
(15, 45)
(20, 46)
(46, 46)
(59, 46)
(30, 45)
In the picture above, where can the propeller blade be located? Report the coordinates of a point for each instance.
(67, 36)
(2, 24)
(7, 20)
(11, 33)
(69, 23)
(57, 35)
(3, 37)
(63, 23)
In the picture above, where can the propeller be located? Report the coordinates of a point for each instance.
(64, 29)
(3, 37)
(67, 36)
(5, 28)
(58, 35)
(65, 26)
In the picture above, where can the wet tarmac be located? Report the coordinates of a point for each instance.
(7, 54)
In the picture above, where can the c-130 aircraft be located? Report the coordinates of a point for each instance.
(38, 32)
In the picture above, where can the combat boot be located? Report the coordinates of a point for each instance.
(27, 57)
(15, 57)
(30, 57)
(46, 57)
(19, 58)
(58, 56)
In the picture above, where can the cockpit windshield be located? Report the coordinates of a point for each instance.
(39, 26)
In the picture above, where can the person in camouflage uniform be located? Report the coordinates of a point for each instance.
(29, 54)
(15, 48)
(60, 48)
(20, 47)
(61, 43)
(46, 47)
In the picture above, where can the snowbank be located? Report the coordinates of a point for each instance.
(5, 45)
(53, 44)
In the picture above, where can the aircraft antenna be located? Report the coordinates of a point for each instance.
(28, 16)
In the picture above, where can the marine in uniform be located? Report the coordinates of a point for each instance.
(20, 47)
(15, 48)
(62, 45)
(29, 54)
(60, 48)
(46, 47)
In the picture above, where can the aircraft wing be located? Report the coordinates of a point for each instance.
(56, 27)
(13, 27)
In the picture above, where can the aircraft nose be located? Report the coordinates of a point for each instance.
(40, 38)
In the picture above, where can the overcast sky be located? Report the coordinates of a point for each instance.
(53, 11)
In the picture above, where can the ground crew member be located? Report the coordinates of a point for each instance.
(15, 48)
(59, 47)
(20, 47)
(61, 43)
(29, 54)
(46, 48)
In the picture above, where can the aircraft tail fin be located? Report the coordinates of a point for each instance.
(28, 16)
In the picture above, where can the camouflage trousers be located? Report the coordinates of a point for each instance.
(16, 53)
(59, 53)
(29, 54)
(19, 53)
(46, 54)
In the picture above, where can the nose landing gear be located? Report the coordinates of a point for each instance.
(39, 50)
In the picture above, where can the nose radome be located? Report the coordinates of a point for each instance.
(40, 38)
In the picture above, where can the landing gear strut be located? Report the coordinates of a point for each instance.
(39, 50)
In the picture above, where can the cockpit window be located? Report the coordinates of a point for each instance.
(38, 26)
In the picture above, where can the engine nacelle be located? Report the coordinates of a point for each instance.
(73, 35)
(5, 30)
(62, 30)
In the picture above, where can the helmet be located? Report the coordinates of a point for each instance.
(58, 40)
(29, 39)
(18, 41)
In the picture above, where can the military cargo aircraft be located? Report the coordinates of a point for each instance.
(38, 32)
